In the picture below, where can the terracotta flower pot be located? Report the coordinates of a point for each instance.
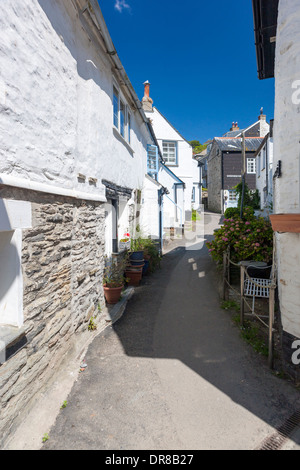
(134, 275)
(285, 223)
(112, 294)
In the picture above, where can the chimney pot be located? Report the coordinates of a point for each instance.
(147, 101)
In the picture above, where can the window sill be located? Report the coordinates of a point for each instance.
(12, 339)
(122, 140)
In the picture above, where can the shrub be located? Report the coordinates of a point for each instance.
(232, 212)
(249, 239)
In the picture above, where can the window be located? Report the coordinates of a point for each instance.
(258, 164)
(251, 165)
(122, 117)
(116, 108)
(264, 159)
(232, 195)
(128, 127)
(152, 160)
(194, 194)
(170, 152)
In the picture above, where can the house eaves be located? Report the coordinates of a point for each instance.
(178, 180)
(265, 13)
(262, 145)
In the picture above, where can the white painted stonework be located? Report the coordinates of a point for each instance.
(14, 215)
(56, 117)
(287, 149)
(264, 178)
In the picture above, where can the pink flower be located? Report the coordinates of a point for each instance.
(257, 244)
(232, 229)
(247, 223)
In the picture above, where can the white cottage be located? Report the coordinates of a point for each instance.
(73, 166)
(264, 175)
(180, 172)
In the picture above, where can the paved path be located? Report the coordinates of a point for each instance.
(173, 373)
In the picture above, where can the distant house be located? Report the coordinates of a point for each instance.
(264, 174)
(202, 159)
(225, 163)
(177, 154)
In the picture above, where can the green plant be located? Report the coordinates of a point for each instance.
(45, 438)
(231, 212)
(114, 272)
(248, 239)
(251, 199)
(195, 215)
(230, 305)
(92, 325)
(250, 333)
(64, 405)
(137, 244)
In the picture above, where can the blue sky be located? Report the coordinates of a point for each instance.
(199, 56)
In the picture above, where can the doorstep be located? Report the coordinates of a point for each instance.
(115, 312)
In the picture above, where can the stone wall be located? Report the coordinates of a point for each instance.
(62, 265)
(214, 179)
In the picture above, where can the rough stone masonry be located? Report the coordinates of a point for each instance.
(62, 268)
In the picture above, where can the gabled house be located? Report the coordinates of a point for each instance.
(179, 172)
(74, 147)
(277, 41)
(225, 163)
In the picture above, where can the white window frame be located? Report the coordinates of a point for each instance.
(251, 166)
(124, 125)
(232, 195)
(166, 154)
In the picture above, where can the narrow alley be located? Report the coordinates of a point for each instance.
(173, 372)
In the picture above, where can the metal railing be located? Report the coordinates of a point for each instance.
(255, 288)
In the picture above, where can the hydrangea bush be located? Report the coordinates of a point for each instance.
(248, 239)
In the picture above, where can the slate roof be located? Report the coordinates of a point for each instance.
(235, 144)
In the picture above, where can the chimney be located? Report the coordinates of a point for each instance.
(262, 116)
(235, 127)
(147, 102)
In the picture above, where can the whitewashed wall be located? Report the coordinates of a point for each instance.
(149, 219)
(287, 149)
(187, 169)
(264, 172)
(56, 115)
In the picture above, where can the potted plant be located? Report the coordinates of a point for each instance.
(137, 249)
(124, 243)
(113, 280)
(134, 275)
